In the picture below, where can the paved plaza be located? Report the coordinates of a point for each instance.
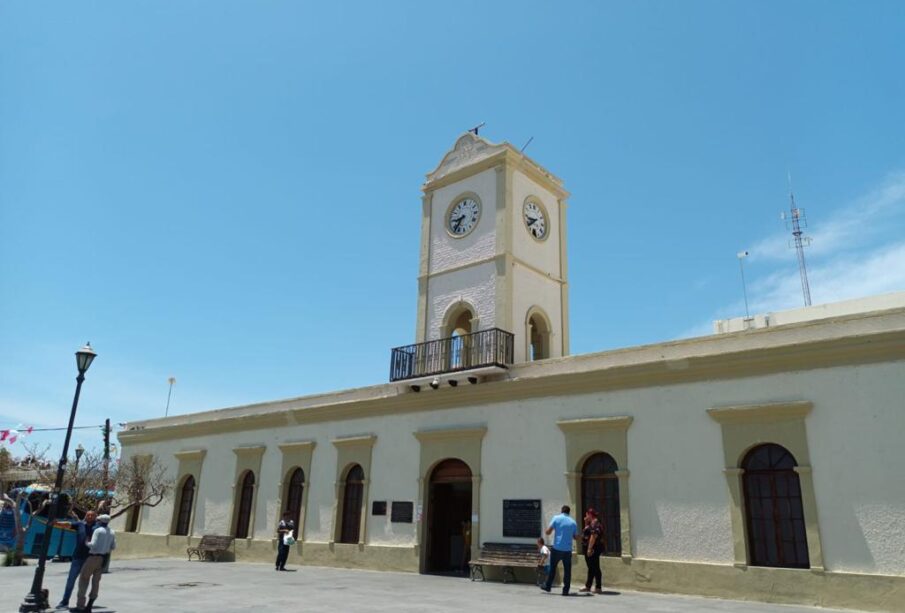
(139, 586)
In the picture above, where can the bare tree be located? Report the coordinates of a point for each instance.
(6, 460)
(140, 481)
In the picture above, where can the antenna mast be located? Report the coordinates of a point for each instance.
(795, 221)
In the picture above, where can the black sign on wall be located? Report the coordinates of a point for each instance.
(521, 518)
(402, 512)
(379, 507)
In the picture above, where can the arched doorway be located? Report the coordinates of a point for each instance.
(600, 491)
(448, 528)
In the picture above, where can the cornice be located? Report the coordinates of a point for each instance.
(195, 454)
(761, 413)
(451, 434)
(297, 446)
(491, 259)
(505, 156)
(572, 426)
(581, 377)
(249, 451)
(352, 441)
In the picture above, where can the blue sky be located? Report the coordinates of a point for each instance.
(228, 192)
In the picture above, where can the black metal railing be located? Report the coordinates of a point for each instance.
(491, 347)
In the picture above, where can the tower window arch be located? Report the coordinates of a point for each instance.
(773, 508)
(537, 335)
(459, 323)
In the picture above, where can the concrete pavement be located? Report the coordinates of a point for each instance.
(142, 586)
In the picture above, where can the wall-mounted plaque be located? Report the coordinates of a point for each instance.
(402, 512)
(379, 507)
(521, 518)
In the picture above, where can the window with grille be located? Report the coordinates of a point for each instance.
(294, 498)
(246, 496)
(353, 492)
(184, 509)
(773, 509)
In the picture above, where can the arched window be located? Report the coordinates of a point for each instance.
(353, 492)
(136, 493)
(457, 332)
(246, 498)
(538, 334)
(184, 506)
(294, 492)
(600, 491)
(132, 518)
(773, 509)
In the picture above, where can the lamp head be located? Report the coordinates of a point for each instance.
(84, 357)
(435, 383)
(78, 452)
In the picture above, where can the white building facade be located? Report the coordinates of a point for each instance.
(763, 463)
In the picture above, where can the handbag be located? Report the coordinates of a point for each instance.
(288, 539)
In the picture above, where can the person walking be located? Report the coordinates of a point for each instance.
(564, 530)
(592, 544)
(84, 530)
(284, 532)
(102, 542)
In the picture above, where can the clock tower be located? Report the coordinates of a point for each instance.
(493, 250)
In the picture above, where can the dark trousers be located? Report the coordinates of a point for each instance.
(282, 555)
(594, 573)
(556, 557)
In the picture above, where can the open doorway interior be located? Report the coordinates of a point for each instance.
(449, 518)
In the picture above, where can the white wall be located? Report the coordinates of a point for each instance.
(447, 251)
(679, 498)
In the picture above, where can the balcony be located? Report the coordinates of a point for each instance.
(487, 348)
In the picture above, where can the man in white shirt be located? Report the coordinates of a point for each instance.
(102, 542)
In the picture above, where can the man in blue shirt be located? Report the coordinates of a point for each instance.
(564, 530)
(84, 530)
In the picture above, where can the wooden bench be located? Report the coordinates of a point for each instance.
(508, 556)
(211, 547)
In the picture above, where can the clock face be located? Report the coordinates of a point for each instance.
(463, 217)
(535, 220)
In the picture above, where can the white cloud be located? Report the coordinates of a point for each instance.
(877, 271)
(864, 221)
(858, 251)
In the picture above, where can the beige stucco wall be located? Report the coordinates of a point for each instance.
(543, 255)
(531, 289)
(678, 496)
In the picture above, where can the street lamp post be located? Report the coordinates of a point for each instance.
(37, 598)
(78, 456)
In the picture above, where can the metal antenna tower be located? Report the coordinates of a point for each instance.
(796, 220)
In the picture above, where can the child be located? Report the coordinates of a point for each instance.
(545, 556)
